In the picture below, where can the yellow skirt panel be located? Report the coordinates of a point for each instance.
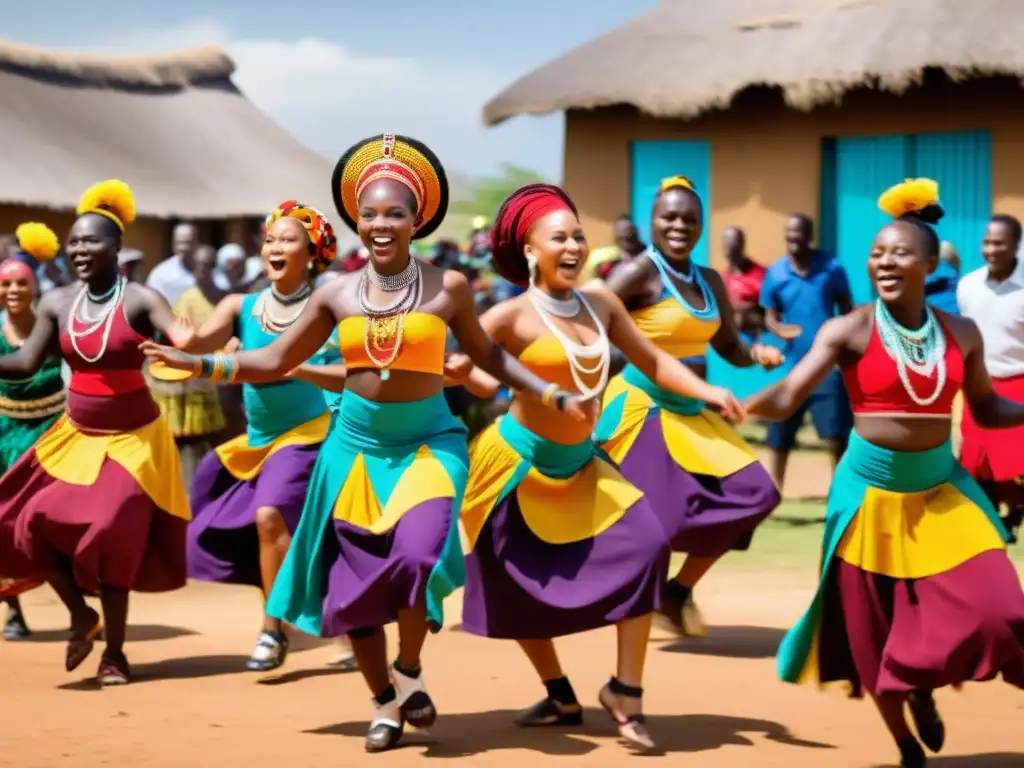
(244, 462)
(705, 444)
(148, 454)
(914, 535)
(357, 503)
(556, 510)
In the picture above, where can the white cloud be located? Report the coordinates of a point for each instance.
(329, 97)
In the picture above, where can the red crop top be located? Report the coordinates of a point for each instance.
(874, 384)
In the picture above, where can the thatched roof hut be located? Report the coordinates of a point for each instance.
(174, 127)
(683, 57)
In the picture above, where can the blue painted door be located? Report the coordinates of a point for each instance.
(652, 161)
(962, 164)
(864, 167)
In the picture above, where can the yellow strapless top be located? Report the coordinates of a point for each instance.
(546, 358)
(422, 347)
(671, 328)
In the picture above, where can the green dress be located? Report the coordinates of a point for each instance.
(28, 407)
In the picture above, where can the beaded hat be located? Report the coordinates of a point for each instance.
(399, 158)
(323, 245)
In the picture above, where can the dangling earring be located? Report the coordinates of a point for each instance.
(531, 265)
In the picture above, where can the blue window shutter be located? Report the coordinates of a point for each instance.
(962, 164)
(864, 168)
(652, 161)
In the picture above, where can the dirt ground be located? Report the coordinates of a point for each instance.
(711, 702)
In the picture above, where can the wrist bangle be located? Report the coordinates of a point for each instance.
(230, 368)
(206, 366)
(560, 398)
(549, 393)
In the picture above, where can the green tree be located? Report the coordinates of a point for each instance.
(486, 193)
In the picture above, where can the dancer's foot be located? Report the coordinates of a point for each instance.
(387, 727)
(547, 712)
(678, 612)
(911, 754)
(345, 661)
(693, 619)
(927, 720)
(413, 700)
(623, 704)
(84, 630)
(15, 627)
(270, 652)
(113, 670)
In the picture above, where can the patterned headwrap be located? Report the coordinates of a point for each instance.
(513, 222)
(323, 245)
(399, 158)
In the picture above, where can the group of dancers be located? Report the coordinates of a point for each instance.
(342, 500)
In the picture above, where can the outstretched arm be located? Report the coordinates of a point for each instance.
(273, 362)
(780, 401)
(990, 410)
(24, 363)
(216, 332)
(488, 355)
(726, 341)
(656, 364)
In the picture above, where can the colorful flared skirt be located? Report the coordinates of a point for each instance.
(379, 530)
(231, 484)
(560, 542)
(916, 587)
(192, 408)
(111, 506)
(994, 456)
(702, 480)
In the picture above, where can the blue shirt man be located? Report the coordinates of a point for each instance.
(806, 288)
(940, 288)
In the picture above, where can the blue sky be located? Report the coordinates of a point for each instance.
(334, 72)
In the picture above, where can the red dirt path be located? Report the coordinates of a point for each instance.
(712, 702)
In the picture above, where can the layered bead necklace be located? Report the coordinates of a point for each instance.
(276, 312)
(385, 326)
(548, 307)
(108, 304)
(692, 277)
(922, 351)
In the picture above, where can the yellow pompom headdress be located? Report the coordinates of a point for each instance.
(38, 241)
(399, 158)
(111, 199)
(675, 182)
(914, 197)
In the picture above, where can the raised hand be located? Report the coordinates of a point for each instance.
(169, 356)
(767, 357)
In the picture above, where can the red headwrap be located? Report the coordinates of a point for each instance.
(14, 268)
(513, 222)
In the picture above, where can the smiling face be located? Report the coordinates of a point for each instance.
(677, 223)
(999, 249)
(92, 246)
(900, 263)
(285, 253)
(799, 235)
(387, 222)
(18, 288)
(557, 243)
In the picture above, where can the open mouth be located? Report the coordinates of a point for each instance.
(569, 264)
(277, 263)
(889, 282)
(677, 241)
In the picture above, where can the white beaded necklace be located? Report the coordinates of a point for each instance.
(105, 319)
(575, 351)
(897, 340)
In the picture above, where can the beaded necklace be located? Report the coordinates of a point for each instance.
(110, 301)
(710, 309)
(922, 351)
(574, 352)
(385, 326)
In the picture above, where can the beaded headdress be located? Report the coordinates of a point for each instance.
(323, 245)
(399, 158)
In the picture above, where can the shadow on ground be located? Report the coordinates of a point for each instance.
(991, 760)
(739, 642)
(463, 735)
(187, 668)
(139, 633)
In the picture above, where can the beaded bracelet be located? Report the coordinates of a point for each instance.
(217, 368)
(549, 393)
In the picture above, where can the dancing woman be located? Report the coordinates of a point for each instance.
(917, 591)
(98, 502)
(560, 541)
(247, 495)
(700, 477)
(378, 539)
(28, 407)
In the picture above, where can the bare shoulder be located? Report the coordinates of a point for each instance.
(964, 330)
(140, 292)
(56, 299)
(849, 330)
(452, 279)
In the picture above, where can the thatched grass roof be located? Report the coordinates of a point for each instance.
(684, 57)
(174, 127)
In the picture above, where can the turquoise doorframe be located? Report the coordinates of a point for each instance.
(855, 171)
(651, 161)
(962, 164)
